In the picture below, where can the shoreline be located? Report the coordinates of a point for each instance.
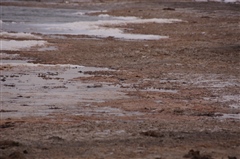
(168, 98)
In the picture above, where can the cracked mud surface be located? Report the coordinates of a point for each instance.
(166, 98)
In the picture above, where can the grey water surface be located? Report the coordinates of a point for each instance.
(26, 19)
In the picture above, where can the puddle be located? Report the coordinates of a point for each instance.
(214, 81)
(74, 22)
(105, 111)
(160, 90)
(37, 89)
(229, 116)
(224, 89)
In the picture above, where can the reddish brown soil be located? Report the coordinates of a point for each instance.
(205, 46)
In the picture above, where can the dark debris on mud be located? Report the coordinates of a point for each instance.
(196, 155)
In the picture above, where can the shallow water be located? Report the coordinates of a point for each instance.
(74, 22)
(36, 89)
(25, 19)
(14, 14)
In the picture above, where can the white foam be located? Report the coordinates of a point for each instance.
(89, 12)
(104, 15)
(15, 45)
(133, 20)
(96, 28)
(130, 18)
(79, 13)
(96, 11)
(19, 35)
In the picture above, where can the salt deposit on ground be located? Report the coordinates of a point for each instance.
(15, 45)
(19, 35)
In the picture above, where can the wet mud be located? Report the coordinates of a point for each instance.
(83, 96)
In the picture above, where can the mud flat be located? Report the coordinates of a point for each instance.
(170, 92)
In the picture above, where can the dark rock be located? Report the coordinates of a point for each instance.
(56, 138)
(54, 107)
(196, 155)
(5, 111)
(208, 114)
(205, 17)
(25, 152)
(9, 85)
(152, 133)
(178, 111)
(7, 125)
(97, 85)
(25, 105)
(168, 8)
(16, 155)
(8, 143)
(192, 154)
